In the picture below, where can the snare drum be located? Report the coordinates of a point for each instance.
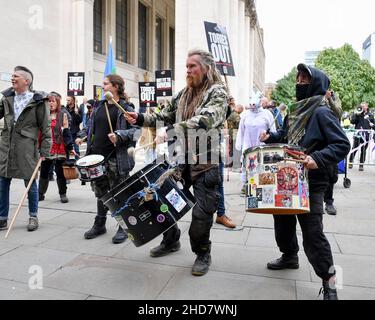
(91, 168)
(146, 220)
(277, 182)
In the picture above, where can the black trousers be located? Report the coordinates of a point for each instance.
(357, 143)
(107, 183)
(315, 243)
(328, 196)
(45, 169)
(206, 192)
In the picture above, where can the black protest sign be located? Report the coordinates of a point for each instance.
(218, 44)
(164, 83)
(147, 94)
(76, 84)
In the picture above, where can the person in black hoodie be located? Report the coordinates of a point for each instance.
(312, 125)
(113, 147)
(362, 120)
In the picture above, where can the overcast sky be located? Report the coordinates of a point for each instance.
(292, 27)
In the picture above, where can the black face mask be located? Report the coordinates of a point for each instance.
(301, 91)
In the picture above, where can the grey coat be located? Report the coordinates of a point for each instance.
(23, 142)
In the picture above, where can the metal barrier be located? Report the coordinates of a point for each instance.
(361, 140)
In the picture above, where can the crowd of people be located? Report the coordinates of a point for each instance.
(37, 125)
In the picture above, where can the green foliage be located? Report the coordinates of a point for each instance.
(285, 91)
(352, 79)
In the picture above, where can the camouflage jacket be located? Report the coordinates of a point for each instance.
(209, 117)
(234, 121)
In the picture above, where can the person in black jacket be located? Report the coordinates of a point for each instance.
(114, 149)
(362, 120)
(312, 125)
(76, 115)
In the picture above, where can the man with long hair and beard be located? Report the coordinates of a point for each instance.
(201, 107)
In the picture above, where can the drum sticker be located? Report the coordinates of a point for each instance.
(176, 200)
(283, 201)
(268, 197)
(304, 195)
(259, 194)
(267, 158)
(132, 220)
(160, 218)
(267, 168)
(164, 208)
(252, 203)
(266, 179)
(130, 236)
(274, 169)
(287, 181)
(252, 163)
(260, 169)
(121, 222)
(144, 216)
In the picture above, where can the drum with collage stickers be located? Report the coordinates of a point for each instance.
(277, 180)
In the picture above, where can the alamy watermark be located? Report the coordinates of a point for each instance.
(36, 280)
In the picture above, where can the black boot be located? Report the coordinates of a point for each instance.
(329, 291)
(61, 184)
(201, 264)
(284, 262)
(43, 186)
(163, 249)
(120, 236)
(64, 198)
(97, 229)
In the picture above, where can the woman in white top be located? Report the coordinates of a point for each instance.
(252, 124)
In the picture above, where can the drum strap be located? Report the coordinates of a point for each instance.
(109, 156)
(149, 193)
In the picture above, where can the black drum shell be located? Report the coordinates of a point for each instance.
(146, 221)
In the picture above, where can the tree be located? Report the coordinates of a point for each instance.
(285, 90)
(352, 79)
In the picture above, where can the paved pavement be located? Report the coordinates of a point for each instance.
(74, 268)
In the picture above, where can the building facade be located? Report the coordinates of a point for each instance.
(369, 49)
(53, 38)
(310, 57)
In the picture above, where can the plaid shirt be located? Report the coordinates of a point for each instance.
(20, 103)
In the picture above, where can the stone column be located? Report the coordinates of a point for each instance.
(77, 53)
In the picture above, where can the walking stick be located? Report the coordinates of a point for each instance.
(24, 196)
(109, 120)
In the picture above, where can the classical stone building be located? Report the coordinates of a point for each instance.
(55, 37)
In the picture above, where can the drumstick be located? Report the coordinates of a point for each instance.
(132, 151)
(24, 196)
(109, 97)
(109, 120)
(295, 160)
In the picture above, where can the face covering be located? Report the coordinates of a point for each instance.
(301, 91)
(255, 108)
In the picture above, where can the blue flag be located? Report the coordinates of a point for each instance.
(110, 66)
